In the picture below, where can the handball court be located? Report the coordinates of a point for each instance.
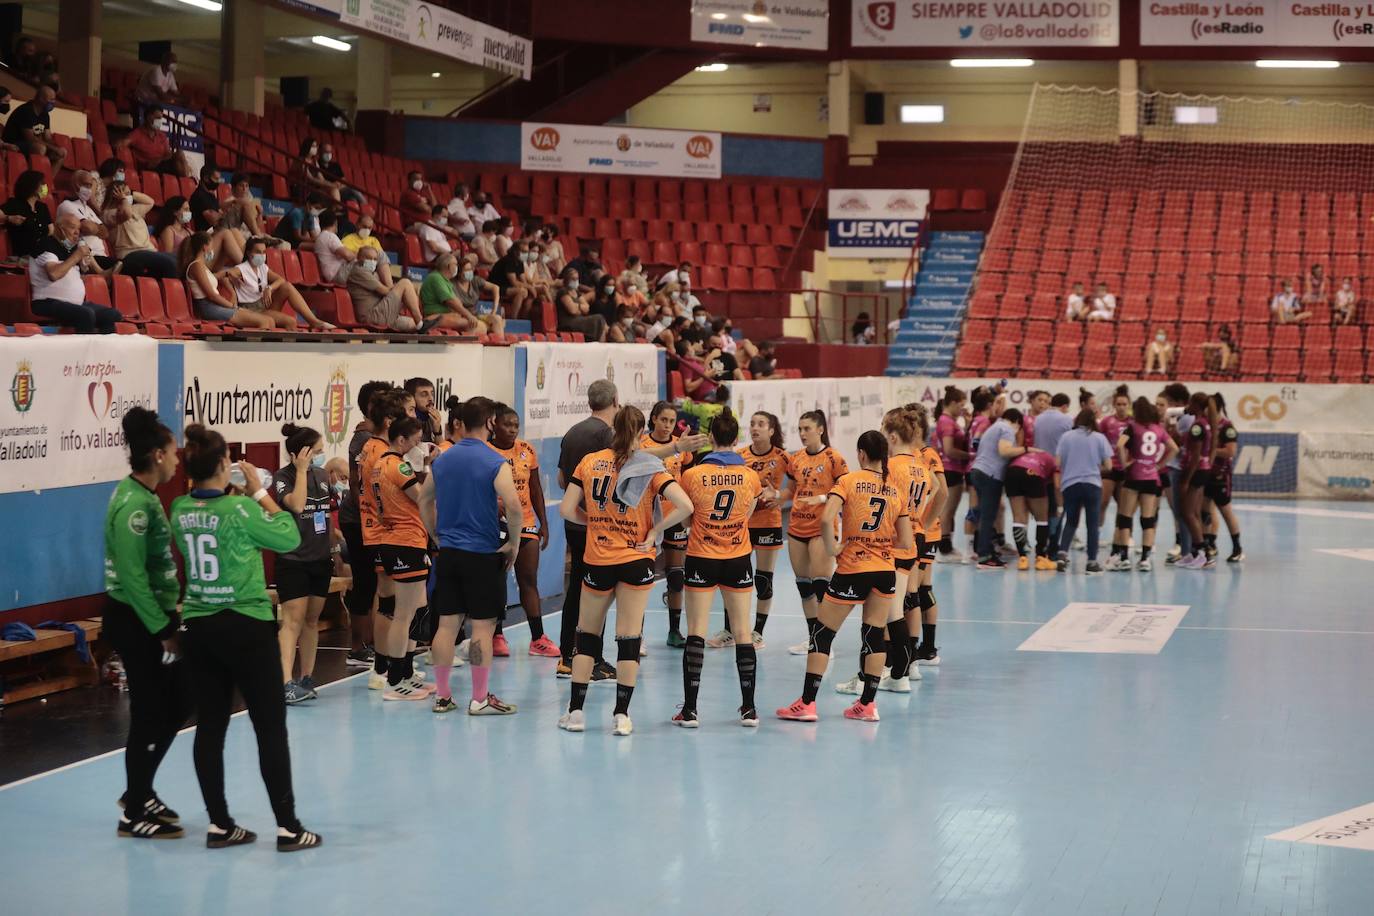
(1007, 782)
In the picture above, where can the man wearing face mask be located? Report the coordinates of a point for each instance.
(332, 169)
(459, 220)
(454, 296)
(433, 239)
(301, 225)
(29, 125)
(377, 300)
(58, 292)
(364, 236)
(93, 231)
(509, 276)
(151, 149)
(417, 200)
(482, 210)
(158, 86)
(6, 103)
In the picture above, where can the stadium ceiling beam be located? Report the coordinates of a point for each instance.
(199, 27)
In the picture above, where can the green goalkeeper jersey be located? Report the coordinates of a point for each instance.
(221, 539)
(139, 569)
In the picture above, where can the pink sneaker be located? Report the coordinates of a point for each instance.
(499, 647)
(799, 711)
(864, 712)
(544, 648)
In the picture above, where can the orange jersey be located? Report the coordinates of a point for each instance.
(935, 466)
(813, 475)
(772, 470)
(868, 521)
(722, 499)
(613, 528)
(523, 462)
(373, 449)
(903, 472)
(401, 525)
(674, 464)
(442, 446)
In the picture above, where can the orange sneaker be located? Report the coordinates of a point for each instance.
(499, 647)
(799, 711)
(864, 712)
(1023, 563)
(544, 648)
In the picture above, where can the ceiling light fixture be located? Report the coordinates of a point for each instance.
(974, 63)
(713, 68)
(210, 5)
(1297, 64)
(333, 44)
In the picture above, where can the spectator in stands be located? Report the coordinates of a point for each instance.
(862, 331)
(377, 300)
(336, 259)
(574, 308)
(1314, 290)
(446, 307)
(158, 86)
(24, 60)
(110, 173)
(57, 289)
(588, 266)
(173, 224)
(152, 150)
(333, 171)
(243, 213)
(6, 104)
(205, 205)
(696, 376)
(538, 274)
(1220, 355)
(765, 363)
(629, 294)
(433, 240)
(478, 296)
(1103, 305)
(459, 220)
(417, 200)
(509, 276)
(324, 114)
(301, 225)
(260, 290)
(742, 348)
(1342, 310)
(1159, 353)
(93, 231)
(681, 277)
(723, 365)
(604, 303)
(1076, 305)
(193, 264)
(485, 244)
(125, 215)
(554, 250)
(481, 210)
(634, 275)
(503, 241)
(364, 236)
(1285, 306)
(30, 124)
(27, 218)
(307, 175)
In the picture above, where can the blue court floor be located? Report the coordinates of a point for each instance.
(1007, 782)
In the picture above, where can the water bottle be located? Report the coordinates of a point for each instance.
(238, 478)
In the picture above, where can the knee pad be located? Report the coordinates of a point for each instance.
(1123, 521)
(676, 580)
(763, 585)
(911, 601)
(819, 587)
(627, 648)
(925, 597)
(588, 644)
(875, 638)
(387, 607)
(821, 638)
(1148, 521)
(972, 515)
(805, 588)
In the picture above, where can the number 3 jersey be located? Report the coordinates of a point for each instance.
(868, 520)
(722, 489)
(613, 528)
(221, 539)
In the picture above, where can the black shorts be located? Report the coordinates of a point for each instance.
(364, 589)
(1218, 489)
(635, 574)
(905, 565)
(469, 583)
(735, 574)
(925, 550)
(1116, 475)
(676, 537)
(1021, 482)
(853, 588)
(1200, 478)
(954, 478)
(1147, 487)
(802, 538)
(530, 533)
(766, 538)
(401, 564)
(303, 580)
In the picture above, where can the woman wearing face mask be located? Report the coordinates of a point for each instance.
(379, 301)
(82, 206)
(125, 214)
(471, 291)
(603, 303)
(301, 487)
(1159, 354)
(307, 176)
(173, 224)
(231, 636)
(574, 309)
(193, 262)
(27, 218)
(261, 290)
(554, 249)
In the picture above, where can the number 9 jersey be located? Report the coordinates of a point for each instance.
(722, 500)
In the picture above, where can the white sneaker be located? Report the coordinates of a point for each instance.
(406, 690)
(1174, 552)
(376, 681)
(721, 639)
(462, 652)
(418, 683)
(801, 648)
(954, 556)
(854, 686)
(895, 685)
(643, 650)
(932, 662)
(1144, 564)
(1113, 564)
(758, 640)
(573, 721)
(623, 725)
(914, 672)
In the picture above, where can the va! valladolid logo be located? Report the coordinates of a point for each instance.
(23, 389)
(337, 405)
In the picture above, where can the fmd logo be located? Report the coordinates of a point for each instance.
(724, 28)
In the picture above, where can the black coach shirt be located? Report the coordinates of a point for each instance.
(587, 436)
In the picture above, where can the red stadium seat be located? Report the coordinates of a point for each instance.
(712, 277)
(945, 199)
(150, 300)
(97, 290)
(738, 278)
(741, 256)
(764, 278)
(1002, 356)
(175, 301)
(717, 255)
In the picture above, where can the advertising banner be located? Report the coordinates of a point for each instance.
(851, 406)
(977, 24)
(1264, 22)
(557, 376)
(759, 24)
(1336, 465)
(60, 420)
(875, 224)
(185, 130)
(619, 150)
(434, 28)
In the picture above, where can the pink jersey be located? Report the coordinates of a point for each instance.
(1201, 433)
(1029, 461)
(1226, 434)
(1112, 428)
(949, 426)
(1146, 445)
(1044, 465)
(976, 428)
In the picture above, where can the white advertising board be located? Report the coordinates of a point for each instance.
(790, 24)
(1257, 22)
(874, 223)
(619, 150)
(977, 24)
(434, 28)
(557, 376)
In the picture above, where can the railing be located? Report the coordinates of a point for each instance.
(834, 325)
(806, 224)
(913, 264)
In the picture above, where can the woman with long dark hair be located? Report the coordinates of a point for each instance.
(813, 470)
(1084, 456)
(951, 442)
(612, 492)
(1198, 449)
(662, 425)
(766, 457)
(1143, 448)
(1112, 426)
(1219, 492)
(141, 619)
(231, 634)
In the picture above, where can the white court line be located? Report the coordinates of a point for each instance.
(1295, 510)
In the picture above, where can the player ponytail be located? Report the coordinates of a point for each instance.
(983, 399)
(205, 452)
(298, 437)
(144, 434)
(1220, 400)
(627, 428)
(384, 407)
(1144, 412)
(774, 428)
(1084, 396)
(1086, 419)
(901, 423)
(818, 417)
(454, 427)
(873, 446)
(921, 416)
(724, 429)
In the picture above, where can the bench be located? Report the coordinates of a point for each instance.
(47, 664)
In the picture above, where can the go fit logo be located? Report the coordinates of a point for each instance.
(545, 138)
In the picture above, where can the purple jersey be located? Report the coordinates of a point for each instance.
(1112, 428)
(1201, 433)
(976, 429)
(1146, 444)
(1045, 465)
(1226, 435)
(949, 426)
(1030, 462)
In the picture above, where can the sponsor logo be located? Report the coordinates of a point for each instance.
(965, 32)
(598, 160)
(138, 522)
(1349, 483)
(545, 138)
(901, 203)
(855, 231)
(337, 404)
(724, 28)
(700, 146)
(23, 389)
(853, 202)
(99, 392)
(610, 371)
(623, 143)
(1267, 463)
(882, 15)
(1273, 408)
(423, 18)
(539, 376)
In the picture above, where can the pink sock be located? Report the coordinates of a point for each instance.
(480, 673)
(441, 675)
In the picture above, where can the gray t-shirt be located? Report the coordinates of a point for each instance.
(349, 513)
(1050, 426)
(989, 460)
(313, 519)
(1081, 453)
(586, 436)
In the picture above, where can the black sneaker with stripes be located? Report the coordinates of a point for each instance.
(155, 808)
(149, 828)
(289, 841)
(233, 835)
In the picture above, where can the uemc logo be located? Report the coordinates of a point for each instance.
(700, 146)
(903, 229)
(545, 138)
(1267, 463)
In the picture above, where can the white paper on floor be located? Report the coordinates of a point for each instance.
(1353, 829)
(1083, 626)
(1354, 553)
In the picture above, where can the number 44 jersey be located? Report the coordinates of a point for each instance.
(723, 498)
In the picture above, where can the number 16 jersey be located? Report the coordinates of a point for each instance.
(722, 500)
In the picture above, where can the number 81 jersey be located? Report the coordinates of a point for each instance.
(868, 520)
(722, 501)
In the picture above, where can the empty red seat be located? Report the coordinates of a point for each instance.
(971, 356)
(944, 199)
(712, 277)
(738, 278)
(717, 255)
(1254, 336)
(1286, 337)
(741, 256)
(150, 300)
(664, 253)
(974, 199)
(1035, 357)
(1097, 359)
(764, 278)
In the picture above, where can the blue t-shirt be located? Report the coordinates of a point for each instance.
(465, 497)
(1050, 426)
(989, 460)
(1080, 455)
